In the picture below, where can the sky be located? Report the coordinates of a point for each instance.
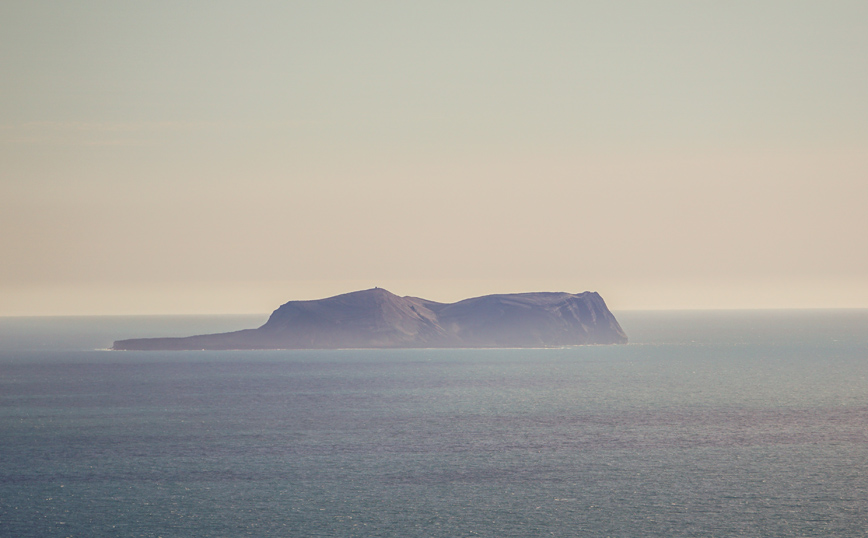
(169, 157)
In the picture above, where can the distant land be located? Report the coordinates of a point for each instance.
(376, 318)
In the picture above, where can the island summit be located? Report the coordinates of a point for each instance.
(376, 318)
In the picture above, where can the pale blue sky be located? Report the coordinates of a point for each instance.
(161, 157)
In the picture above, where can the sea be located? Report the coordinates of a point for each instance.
(708, 423)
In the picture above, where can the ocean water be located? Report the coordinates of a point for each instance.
(707, 424)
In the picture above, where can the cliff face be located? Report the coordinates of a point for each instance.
(378, 319)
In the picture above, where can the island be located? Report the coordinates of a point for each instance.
(376, 318)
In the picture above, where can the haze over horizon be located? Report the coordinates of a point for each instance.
(226, 157)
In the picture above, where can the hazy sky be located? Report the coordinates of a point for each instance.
(186, 157)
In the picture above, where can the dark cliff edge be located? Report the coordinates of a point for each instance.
(376, 318)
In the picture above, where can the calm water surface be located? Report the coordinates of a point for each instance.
(707, 424)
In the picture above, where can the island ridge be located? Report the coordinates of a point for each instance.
(376, 318)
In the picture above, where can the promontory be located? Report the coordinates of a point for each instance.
(376, 318)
